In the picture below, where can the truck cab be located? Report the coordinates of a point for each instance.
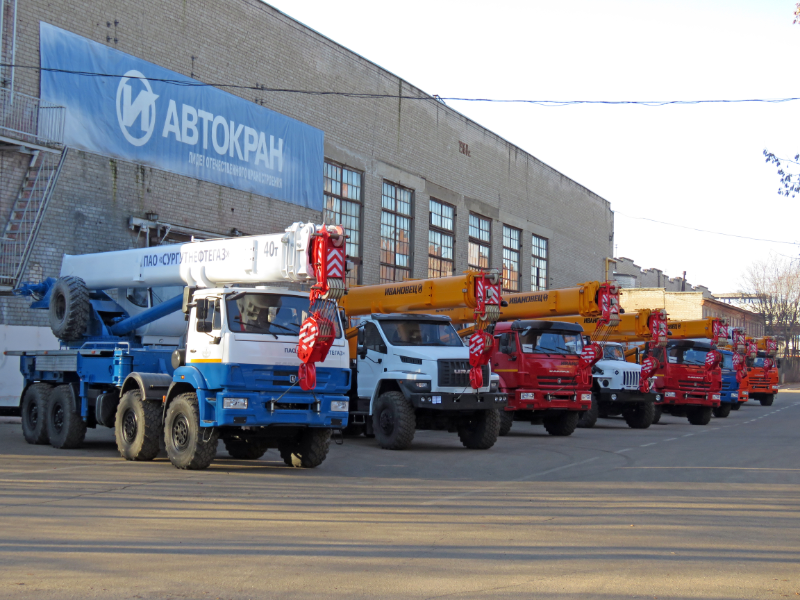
(732, 392)
(412, 372)
(539, 364)
(615, 390)
(685, 386)
(762, 383)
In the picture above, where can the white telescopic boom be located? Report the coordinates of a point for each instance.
(279, 257)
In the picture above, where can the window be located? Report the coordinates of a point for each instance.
(373, 339)
(480, 240)
(275, 314)
(395, 233)
(343, 207)
(539, 263)
(511, 258)
(441, 239)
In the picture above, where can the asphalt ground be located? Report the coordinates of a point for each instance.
(674, 511)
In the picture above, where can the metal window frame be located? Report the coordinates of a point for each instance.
(410, 217)
(478, 241)
(518, 252)
(442, 231)
(357, 261)
(546, 259)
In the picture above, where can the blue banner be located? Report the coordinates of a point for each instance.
(150, 115)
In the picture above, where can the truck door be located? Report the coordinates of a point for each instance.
(203, 344)
(370, 360)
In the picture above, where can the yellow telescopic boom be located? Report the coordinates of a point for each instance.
(647, 325)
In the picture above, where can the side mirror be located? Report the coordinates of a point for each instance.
(188, 292)
(203, 326)
(506, 345)
(201, 310)
(361, 351)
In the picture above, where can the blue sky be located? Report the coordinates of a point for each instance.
(699, 166)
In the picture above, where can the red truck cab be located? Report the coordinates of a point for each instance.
(762, 378)
(543, 368)
(688, 380)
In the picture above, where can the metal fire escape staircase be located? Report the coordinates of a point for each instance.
(32, 127)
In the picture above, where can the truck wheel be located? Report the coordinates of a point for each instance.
(309, 451)
(767, 400)
(656, 414)
(640, 416)
(394, 421)
(589, 418)
(723, 410)
(34, 409)
(189, 446)
(700, 415)
(736, 405)
(137, 426)
(480, 431)
(506, 421)
(245, 449)
(69, 308)
(563, 424)
(65, 428)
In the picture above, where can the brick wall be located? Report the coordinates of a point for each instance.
(414, 143)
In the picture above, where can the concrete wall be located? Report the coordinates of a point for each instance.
(679, 305)
(655, 278)
(414, 143)
(19, 338)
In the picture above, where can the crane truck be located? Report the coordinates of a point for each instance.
(734, 390)
(545, 366)
(239, 364)
(412, 372)
(762, 378)
(620, 387)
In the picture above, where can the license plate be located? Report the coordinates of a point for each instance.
(436, 400)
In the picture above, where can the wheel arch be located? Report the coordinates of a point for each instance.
(153, 386)
(383, 386)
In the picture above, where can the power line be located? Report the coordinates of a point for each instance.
(743, 237)
(371, 95)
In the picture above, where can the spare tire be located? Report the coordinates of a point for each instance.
(69, 308)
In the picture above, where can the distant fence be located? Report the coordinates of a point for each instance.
(30, 119)
(790, 369)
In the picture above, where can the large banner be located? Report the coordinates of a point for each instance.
(149, 115)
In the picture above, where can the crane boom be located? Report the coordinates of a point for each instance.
(645, 324)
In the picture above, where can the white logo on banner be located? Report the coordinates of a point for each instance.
(143, 108)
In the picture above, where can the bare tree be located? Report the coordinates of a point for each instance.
(775, 285)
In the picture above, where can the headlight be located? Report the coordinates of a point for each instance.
(774, 387)
(493, 387)
(234, 403)
(613, 396)
(605, 383)
(658, 397)
(669, 394)
(340, 405)
(715, 396)
(526, 396)
(586, 397)
(418, 386)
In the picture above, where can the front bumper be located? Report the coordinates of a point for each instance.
(442, 401)
(542, 400)
(680, 398)
(264, 410)
(625, 397)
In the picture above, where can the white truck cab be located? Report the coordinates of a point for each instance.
(412, 372)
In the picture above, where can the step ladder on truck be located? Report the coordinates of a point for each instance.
(413, 372)
(223, 356)
(544, 365)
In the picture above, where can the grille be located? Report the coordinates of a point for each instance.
(726, 386)
(691, 385)
(630, 379)
(455, 373)
(556, 383)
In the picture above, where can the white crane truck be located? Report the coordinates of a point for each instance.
(238, 365)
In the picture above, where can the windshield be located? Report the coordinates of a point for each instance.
(251, 312)
(613, 353)
(420, 333)
(686, 356)
(727, 361)
(758, 362)
(550, 342)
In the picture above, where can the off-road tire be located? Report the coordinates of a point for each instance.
(189, 446)
(137, 427)
(767, 400)
(589, 418)
(69, 308)
(309, 451)
(700, 415)
(393, 421)
(736, 405)
(245, 449)
(723, 410)
(657, 412)
(480, 431)
(563, 424)
(506, 421)
(65, 428)
(33, 410)
(640, 415)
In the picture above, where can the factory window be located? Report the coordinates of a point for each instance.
(480, 241)
(511, 237)
(539, 264)
(395, 233)
(343, 207)
(441, 239)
